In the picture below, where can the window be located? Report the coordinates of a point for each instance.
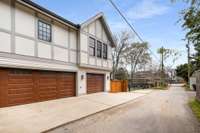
(44, 31)
(92, 46)
(105, 50)
(99, 49)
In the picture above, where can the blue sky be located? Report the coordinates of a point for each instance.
(155, 20)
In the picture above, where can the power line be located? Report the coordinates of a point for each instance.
(132, 28)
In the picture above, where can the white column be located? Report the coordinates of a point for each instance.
(81, 82)
(107, 82)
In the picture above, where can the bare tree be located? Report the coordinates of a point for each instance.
(166, 54)
(136, 56)
(122, 41)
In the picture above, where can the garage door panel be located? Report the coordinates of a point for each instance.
(47, 81)
(19, 101)
(20, 80)
(20, 87)
(20, 91)
(66, 83)
(21, 95)
(95, 83)
(47, 90)
(46, 96)
(47, 86)
(28, 86)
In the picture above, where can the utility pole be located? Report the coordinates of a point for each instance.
(162, 65)
(189, 63)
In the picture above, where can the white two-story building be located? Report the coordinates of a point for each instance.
(44, 56)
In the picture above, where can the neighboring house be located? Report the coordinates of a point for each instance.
(147, 79)
(44, 56)
(142, 79)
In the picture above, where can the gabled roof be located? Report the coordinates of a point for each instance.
(48, 12)
(103, 20)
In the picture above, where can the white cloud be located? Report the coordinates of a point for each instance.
(147, 9)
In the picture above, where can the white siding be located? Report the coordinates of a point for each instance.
(5, 44)
(61, 36)
(96, 30)
(73, 40)
(92, 29)
(60, 54)
(105, 63)
(43, 17)
(85, 29)
(110, 64)
(24, 22)
(92, 61)
(5, 13)
(81, 83)
(104, 36)
(73, 56)
(24, 46)
(84, 58)
(84, 42)
(32, 64)
(109, 52)
(99, 29)
(107, 82)
(99, 62)
(44, 50)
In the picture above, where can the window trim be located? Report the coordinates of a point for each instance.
(93, 47)
(99, 43)
(105, 51)
(104, 48)
(38, 31)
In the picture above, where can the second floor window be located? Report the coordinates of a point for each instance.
(99, 49)
(92, 46)
(44, 31)
(105, 51)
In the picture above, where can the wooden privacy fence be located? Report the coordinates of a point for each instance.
(119, 86)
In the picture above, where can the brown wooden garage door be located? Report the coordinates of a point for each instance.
(18, 86)
(95, 83)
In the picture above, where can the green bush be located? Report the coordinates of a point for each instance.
(195, 106)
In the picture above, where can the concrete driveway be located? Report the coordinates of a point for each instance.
(39, 117)
(159, 112)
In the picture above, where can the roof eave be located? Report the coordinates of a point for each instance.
(49, 13)
(100, 15)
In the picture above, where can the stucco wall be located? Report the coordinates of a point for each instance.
(18, 36)
(97, 31)
(5, 12)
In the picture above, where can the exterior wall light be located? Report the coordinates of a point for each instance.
(108, 77)
(82, 77)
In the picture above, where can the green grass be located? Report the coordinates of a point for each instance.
(195, 106)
